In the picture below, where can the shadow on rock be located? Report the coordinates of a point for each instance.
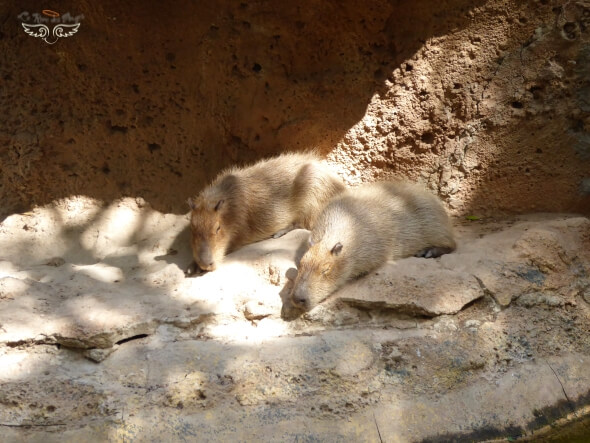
(289, 311)
(179, 254)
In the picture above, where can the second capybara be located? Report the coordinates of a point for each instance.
(362, 228)
(269, 198)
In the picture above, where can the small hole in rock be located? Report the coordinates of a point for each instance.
(536, 91)
(154, 147)
(570, 31)
(428, 138)
(569, 27)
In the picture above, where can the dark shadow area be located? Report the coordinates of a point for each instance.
(544, 417)
(180, 253)
(153, 103)
(289, 311)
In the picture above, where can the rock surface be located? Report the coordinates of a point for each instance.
(415, 286)
(103, 337)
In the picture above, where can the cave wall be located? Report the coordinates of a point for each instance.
(487, 102)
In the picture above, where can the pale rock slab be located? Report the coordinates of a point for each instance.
(413, 285)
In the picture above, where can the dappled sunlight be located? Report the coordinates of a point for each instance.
(24, 322)
(165, 227)
(230, 276)
(245, 333)
(73, 209)
(100, 315)
(89, 232)
(7, 269)
(48, 232)
(14, 365)
(28, 238)
(134, 281)
(58, 295)
(104, 336)
(114, 228)
(102, 272)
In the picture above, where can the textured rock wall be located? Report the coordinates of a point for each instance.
(486, 101)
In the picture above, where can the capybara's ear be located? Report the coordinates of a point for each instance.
(336, 249)
(191, 203)
(218, 205)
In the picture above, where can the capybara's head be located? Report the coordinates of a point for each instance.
(319, 274)
(209, 238)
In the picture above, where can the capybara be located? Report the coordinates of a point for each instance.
(269, 198)
(362, 228)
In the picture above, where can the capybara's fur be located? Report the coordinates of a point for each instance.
(362, 228)
(245, 205)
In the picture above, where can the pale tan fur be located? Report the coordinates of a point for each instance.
(362, 228)
(245, 205)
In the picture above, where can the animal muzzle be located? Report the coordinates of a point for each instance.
(205, 260)
(299, 297)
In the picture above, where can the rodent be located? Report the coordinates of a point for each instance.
(268, 198)
(362, 228)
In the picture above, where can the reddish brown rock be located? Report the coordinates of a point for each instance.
(486, 102)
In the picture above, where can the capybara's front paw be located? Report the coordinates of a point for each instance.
(192, 270)
(433, 252)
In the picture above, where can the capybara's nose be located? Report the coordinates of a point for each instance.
(207, 266)
(205, 261)
(299, 299)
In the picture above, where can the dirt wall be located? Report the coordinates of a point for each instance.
(488, 102)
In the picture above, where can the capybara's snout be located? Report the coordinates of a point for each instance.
(299, 298)
(204, 258)
(300, 295)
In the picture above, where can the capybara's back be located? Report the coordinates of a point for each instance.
(359, 230)
(419, 221)
(245, 205)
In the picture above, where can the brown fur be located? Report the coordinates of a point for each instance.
(245, 205)
(361, 229)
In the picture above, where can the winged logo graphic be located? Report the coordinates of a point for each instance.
(42, 31)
